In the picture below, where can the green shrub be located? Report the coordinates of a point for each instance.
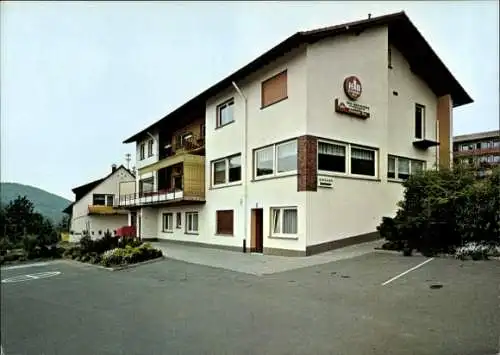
(444, 209)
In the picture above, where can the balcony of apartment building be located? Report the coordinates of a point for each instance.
(179, 174)
(477, 148)
(104, 205)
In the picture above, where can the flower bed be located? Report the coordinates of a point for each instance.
(130, 255)
(477, 251)
(111, 251)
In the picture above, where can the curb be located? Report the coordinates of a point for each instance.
(115, 268)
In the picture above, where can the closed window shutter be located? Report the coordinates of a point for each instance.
(274, 89)
(225, 222)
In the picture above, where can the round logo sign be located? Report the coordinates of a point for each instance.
(352, 87)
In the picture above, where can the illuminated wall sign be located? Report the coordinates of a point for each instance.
(353, 90)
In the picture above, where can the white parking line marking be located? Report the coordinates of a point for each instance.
(407, 271)
(13, 267)
(21, 278)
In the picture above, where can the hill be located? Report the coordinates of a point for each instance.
(46, 203)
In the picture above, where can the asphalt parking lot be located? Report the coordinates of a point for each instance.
(354, 306)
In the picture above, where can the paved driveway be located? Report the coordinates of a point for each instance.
(258, 264)
(172, 307)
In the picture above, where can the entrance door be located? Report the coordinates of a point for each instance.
(257, 226)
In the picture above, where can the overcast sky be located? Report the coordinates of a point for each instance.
(77, 78)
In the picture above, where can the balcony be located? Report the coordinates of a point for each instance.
(179, 179)
(105, 210)
(477, 152)
(425, 144)
(187, 143)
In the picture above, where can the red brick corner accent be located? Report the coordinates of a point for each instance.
(307, 163)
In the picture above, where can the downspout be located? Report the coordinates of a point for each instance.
(245, 161)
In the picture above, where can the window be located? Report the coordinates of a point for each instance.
(225, 113)
(109, 200)
(99, 200)
(283, 221)
(362, 161)
(168, 222)
(391, 167)
(331, 157)
(345, 158)
(276, 159)
(227, 170)
(146, 185)
(401, 168)
(286, 156)
(142, 151)
(419, 121)
(220, 172)
(274, 89)
(225, 222)
(191, 222)
(150, 148)
(178, 220)
(264, 161)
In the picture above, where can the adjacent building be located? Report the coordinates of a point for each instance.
(302, 150)
(94, 207)
(479, 150)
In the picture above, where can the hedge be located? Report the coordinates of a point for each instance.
(444, 209)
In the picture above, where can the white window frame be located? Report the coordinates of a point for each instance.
(396, 166)
(275, 172)
(178, 220)
(151, 145)
(189, 220)
(168, 222)
(273, 221)
(348, 149)
(346, 157)
(142, 151)
(226, 173)
(219, 108)
(422, 124)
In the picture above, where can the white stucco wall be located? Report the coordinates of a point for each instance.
(148, 222)
(147, 160)
(275, 123)
(401, 129)
(353, 206)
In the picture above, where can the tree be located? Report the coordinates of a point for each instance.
(20, 220)
(18, 215)
(63, 225)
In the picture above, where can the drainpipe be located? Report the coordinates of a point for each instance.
(245, 161)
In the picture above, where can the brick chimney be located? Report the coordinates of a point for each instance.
(113, 168)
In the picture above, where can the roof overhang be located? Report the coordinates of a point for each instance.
(402, 33)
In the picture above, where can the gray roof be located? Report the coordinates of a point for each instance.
(477, 136)
(402, 33)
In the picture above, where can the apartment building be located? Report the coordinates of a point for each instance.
(94, 207)
(302, 150)
(480, 150)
